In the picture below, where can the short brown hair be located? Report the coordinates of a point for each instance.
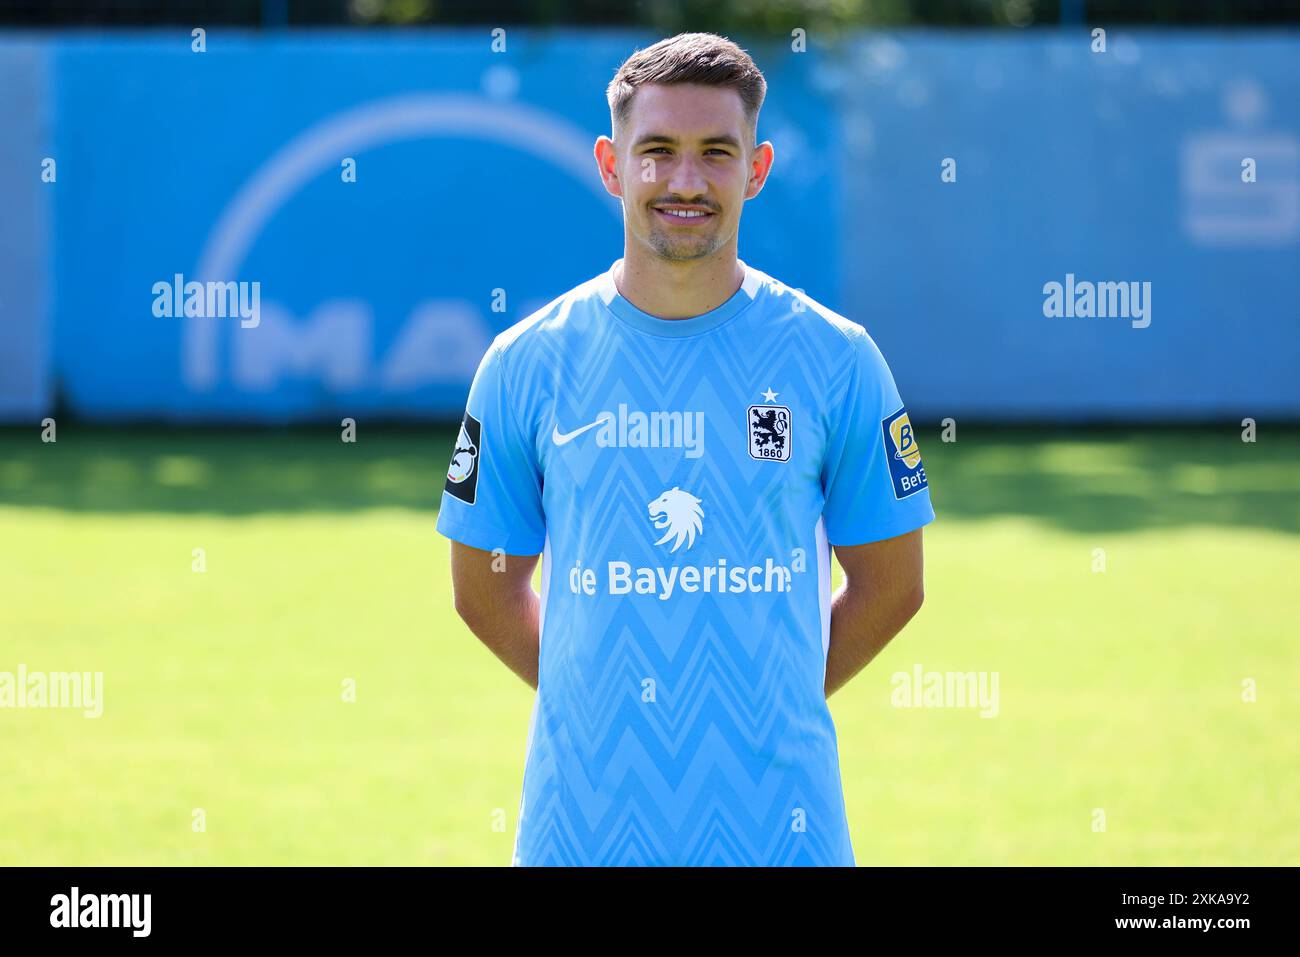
(704, 58)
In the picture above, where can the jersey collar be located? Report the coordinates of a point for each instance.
(630, 314)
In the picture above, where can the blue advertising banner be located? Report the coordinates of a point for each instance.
(997, 185)
(386, 205)
(28, 175)
(290, 227)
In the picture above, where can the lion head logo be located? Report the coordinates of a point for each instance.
(680, 513)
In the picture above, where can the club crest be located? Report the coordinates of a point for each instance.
(769, 428)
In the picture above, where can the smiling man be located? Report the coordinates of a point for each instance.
(684, 439)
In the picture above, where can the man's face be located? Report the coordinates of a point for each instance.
(685, 168)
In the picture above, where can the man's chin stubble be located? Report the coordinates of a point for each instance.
(681, 252)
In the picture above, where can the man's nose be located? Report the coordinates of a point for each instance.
(687, 179)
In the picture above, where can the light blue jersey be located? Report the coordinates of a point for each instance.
(683, 481)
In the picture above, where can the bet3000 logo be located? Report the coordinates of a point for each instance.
(905, 468)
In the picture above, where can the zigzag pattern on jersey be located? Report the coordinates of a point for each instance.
(749, 680)
(573, 341)
(732, 711)
(558, 830)
(575, 360)
(728, 765)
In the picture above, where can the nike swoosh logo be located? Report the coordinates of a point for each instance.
(563, 438)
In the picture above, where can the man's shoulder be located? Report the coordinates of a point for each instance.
(824, 329)
(570, 311)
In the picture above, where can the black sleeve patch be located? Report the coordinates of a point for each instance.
(462, 474)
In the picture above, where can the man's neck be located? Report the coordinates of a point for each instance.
(678, 290)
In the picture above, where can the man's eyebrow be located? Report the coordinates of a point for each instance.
(723, 139)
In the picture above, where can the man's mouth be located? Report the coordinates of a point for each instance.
(683, 215)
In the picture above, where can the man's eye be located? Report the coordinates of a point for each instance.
(657, 149)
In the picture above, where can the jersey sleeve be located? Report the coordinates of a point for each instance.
(493, 495)
(872, 477)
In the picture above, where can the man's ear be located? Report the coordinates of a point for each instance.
(607, 165)
(760, 168)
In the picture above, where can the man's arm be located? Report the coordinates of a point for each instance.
(883, 588)
(495, 598)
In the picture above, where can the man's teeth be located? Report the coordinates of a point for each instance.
(683, 213)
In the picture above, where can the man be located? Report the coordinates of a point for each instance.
(683, 438)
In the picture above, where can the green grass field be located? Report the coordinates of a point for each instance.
(1120, 691)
